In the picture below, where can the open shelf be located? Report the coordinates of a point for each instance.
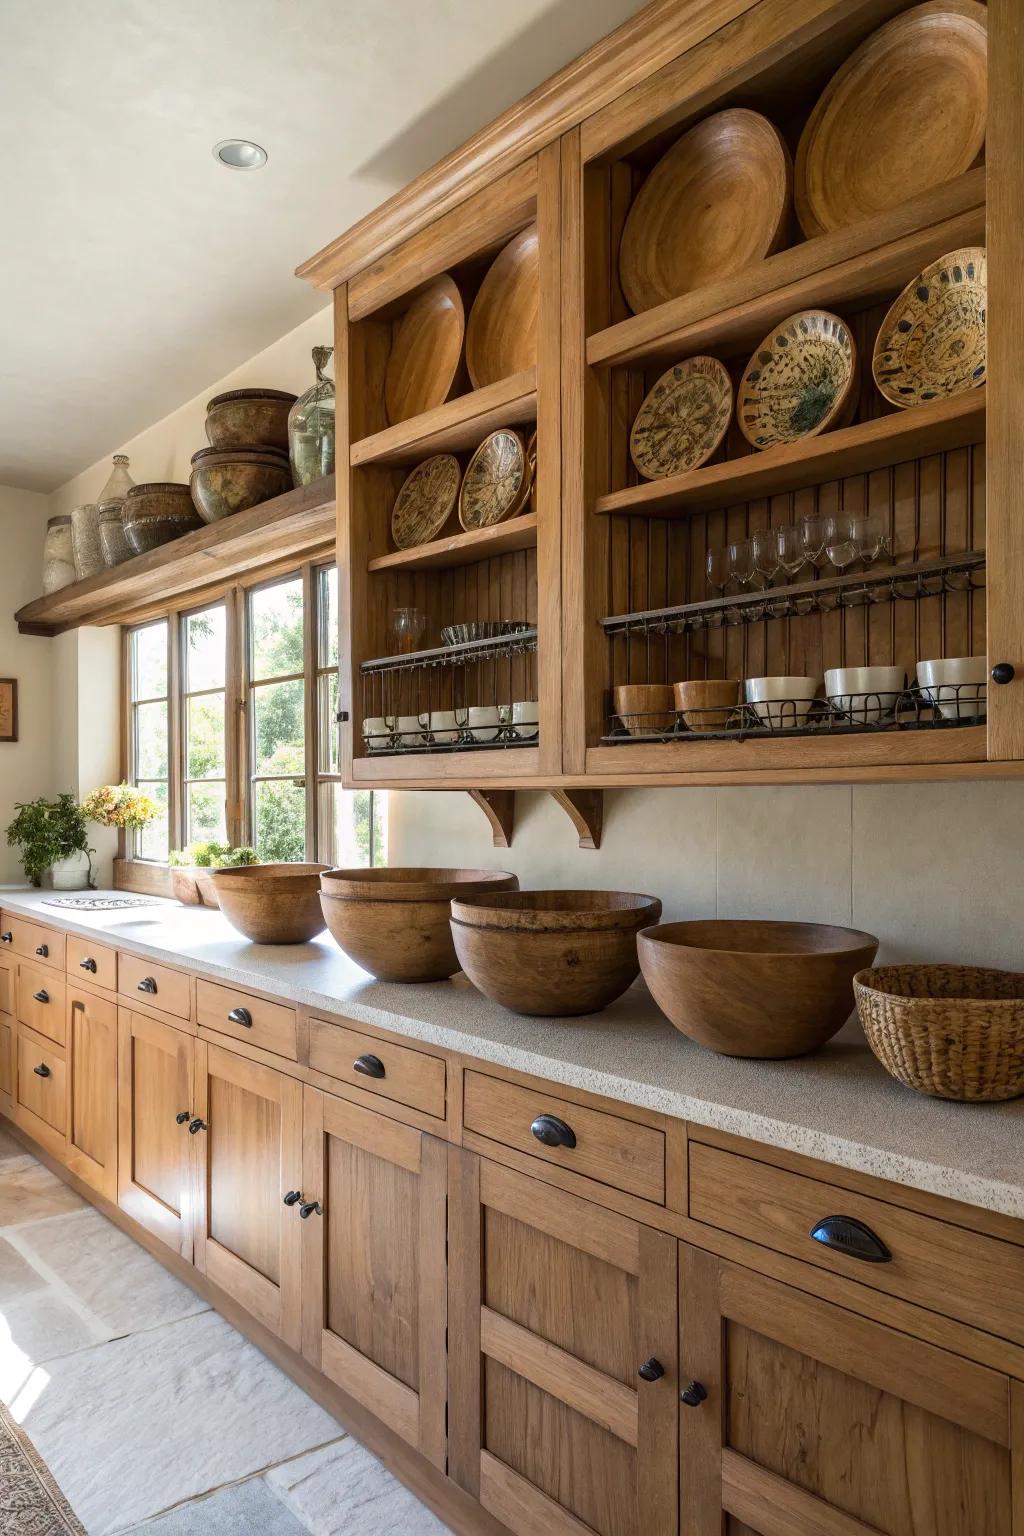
(955, 422)
(299, 524)
(462, 548)
(455, 426)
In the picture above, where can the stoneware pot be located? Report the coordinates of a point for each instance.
(72, 873)
(155, 514)
(272, 903)
(225, 481)
(247, 418)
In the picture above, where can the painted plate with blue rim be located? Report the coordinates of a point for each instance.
(801, 380)
(932, 341)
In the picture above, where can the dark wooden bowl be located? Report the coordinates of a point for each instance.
(225, 481)
(762, 989)
(157, 513)
(395, 923)
(242, 418)
(554, 953)
(272, 903)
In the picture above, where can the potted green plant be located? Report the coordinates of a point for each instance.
(52, 838)
(191, 881)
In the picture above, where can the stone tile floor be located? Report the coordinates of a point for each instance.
(153, 1413)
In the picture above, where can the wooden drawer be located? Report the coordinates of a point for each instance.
(962, 1274)
(93, 962)
(393, 1071)
(42, 1084)
(32, 941)
(234, 1013)
(146, 981)
(612, 1150)
(41, 994)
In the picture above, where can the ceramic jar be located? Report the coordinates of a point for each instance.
(113, 543)
(85, 540)
(311, 426)
(58, 556)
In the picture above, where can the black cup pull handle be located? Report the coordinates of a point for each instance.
(43, 951)
(694, 1394)
(1003, 672)
(848, 1235)
(42, 1070)
(369, 1066)
(7, 937)
(88, 964)
(651, 1370)
(147, 984)
(240, 1016)
(552, 1132)
(186, 1114)
(41, 996)
(293, 1197)
(310, 1208)
(197, 1125)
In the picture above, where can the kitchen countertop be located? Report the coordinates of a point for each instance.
(838, 1105)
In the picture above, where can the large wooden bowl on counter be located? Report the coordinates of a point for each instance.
(395, 923)
(761, 989)
(272, 903)
(553, 953)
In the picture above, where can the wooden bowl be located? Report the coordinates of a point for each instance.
(155, 514)
(801, 380)
(761, 989)
(905, 112)
(426, 351)
(272, 903)
(193, 886)
(645, 708)
(552, 952)
(228, 480)
(501, 338)
(707, 704)
(246, 418)
(395, 923)
(716, 203)
(683, 419)
(932, 341)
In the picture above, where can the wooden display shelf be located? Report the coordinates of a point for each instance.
(462, 548)
(455, 426)
(849, 267)
(298, 525)
(925, 429)
(449, 770)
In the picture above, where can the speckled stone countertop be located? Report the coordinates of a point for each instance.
(838, 1105)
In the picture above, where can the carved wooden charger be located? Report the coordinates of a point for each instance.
(683, 419)
(496, 482)
(932, 341)
(800, 380)
(425, 502)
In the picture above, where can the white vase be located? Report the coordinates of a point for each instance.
(71, 874)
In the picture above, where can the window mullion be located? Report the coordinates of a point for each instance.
(175, 735)
(310, 620)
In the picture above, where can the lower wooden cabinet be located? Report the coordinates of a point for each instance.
(246, 1142)
(155, 1105)
(816, 1420)
(6, 1061)
(40, 1089)
(564, 1405)
(91, 1150)
(373, 1228)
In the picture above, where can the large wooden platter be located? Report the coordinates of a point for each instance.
(683, 419)
(426, 351)
(906, 112)
(716, 203)
(932, 341)
(801, 380)
(425, 501)
(501, 338)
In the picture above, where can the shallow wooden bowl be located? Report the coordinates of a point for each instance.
(242, 418)
(645, 708)
(706, 704)
(193, 886)
(272, 903)
(801, 380)
(155, 513)
(225, 481)
(932, 342)
(501, 338)
(906, 112)
(761, 989)
(716, 203)
(426, 351)
(395, 923)
(555, 953)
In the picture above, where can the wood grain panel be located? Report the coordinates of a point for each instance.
(92, 1089)
(777, 1506)
(244, 1175)
(44, 1098)
(155, 1085)
(410, 1077)
(6, 1056)
(33, 941)
(91, 962)
(41, 999)
(171, 991)
(272, 1025)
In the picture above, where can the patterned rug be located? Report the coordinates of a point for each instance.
(31, 1504)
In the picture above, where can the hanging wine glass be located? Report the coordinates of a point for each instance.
(840, 544)
(718, 571)
(740, 557)
(789, 550)
(766, 557)
(812, 537)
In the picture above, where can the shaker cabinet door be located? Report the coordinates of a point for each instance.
(154, 1101)
(92, 1090)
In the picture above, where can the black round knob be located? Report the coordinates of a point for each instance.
(43, 951)
(197, 1125)
(369, 1066)
(693, 1395)
(1003, 672)
(309, 1207)
(651, 1370)
(87, 965)
(42, 1070)
(185, 1115)
(6, 938)
(552, 1132)
(292, 1197)
(41, 996)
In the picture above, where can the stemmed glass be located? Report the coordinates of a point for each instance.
(718, 569)
(789, 550)
(764, 548)
(812, 537)
(869, 536)
(740, 558)
(840, 541)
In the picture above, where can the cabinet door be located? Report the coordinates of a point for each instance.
(248, 1156)
(373, 1264)
(92, 1090)
(6, 1033)
(155, 1106)
(555, 1305)
(818, 1420)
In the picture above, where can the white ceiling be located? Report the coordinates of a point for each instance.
(134, 269)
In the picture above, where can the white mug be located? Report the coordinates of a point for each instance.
(484, 721)
(446, 725)
(410, 730)
(526, 719)
(377, 732)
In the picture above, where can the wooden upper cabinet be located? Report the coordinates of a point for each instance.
(92, 1089)
(559, 1313)
(373, 1265)
(155, 1066)
(818, 1420)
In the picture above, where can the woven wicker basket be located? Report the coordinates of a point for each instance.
(952, 1031)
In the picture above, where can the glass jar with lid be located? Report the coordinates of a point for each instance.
(311, 426)
(58, 558)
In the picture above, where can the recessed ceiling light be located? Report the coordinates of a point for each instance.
(240, 154)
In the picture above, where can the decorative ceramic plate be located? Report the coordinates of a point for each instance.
(906, 112)
(932, 341)
(683, 419)
(799, 381)
(496, 482)
(718, 201)
(425, 502)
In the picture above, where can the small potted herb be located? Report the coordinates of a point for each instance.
(191, 881)
(52, 838)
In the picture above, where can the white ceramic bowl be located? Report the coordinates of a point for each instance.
(781, 702)
(865, 694)
(445, 725)
(484, 721)
(940, 679)
(526, 719)
(377, 732)
(411, 730)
